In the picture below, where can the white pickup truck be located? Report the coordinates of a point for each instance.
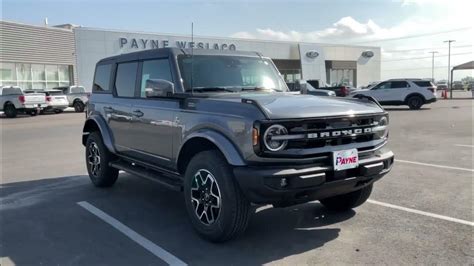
(14, 101)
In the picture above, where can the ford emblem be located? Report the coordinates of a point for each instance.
(312, 54)
(368, 54)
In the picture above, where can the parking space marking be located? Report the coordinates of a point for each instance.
(436, 165)
(139, 239)
(429, 214)
(463, 145)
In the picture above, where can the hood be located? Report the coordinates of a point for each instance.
(287, 105)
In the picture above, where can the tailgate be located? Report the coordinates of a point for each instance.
(35, 98)
(59, 99)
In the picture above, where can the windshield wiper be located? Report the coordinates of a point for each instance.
(204, 89)
(258, 88)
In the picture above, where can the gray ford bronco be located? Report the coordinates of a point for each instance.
(222, 127)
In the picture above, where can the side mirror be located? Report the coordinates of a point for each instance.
(302, 86)
(158, 88)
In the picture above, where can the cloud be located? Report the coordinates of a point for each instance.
(346, 27)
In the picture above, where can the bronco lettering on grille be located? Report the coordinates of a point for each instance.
(337, 133)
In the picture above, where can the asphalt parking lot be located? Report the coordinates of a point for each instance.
(420, 213)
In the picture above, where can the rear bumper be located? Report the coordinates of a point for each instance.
(58, 106)
(432, 100)
(284, 186)
(33, 106)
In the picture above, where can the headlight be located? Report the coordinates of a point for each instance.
(381, 129)
(270, 142)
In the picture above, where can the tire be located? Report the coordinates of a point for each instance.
(10, 110)
(78, 106)
(97, 162)
(415, 102)
(348, 201)
(216, 206)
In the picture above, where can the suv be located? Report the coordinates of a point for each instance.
(222, 127)
(412, 92)
(76, 96)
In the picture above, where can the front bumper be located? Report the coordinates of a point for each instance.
(432, 100)
(285, 186)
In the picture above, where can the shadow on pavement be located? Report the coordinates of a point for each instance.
(41, 222)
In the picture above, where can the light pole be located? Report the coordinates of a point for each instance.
(450, 81)
(432, 65)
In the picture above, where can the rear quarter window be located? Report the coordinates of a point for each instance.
(102, 78)
(423, 83)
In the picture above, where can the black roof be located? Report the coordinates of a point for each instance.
(165, 52)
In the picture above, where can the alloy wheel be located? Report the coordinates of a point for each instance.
(93, 158)
(206, 197)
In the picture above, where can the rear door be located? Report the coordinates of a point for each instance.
(153, 125)
(119, 110)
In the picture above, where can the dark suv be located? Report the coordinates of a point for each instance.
(222, 127)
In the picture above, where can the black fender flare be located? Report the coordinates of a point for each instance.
(224, 145)
(95, 121)
(414, 94)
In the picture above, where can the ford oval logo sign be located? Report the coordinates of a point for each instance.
(368, 54)
(312, 54)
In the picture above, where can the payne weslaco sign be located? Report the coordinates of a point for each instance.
(138, 43)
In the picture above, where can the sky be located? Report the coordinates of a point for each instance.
(406, 30)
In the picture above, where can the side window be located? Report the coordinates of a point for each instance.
(382, 86)
(102, 78)
(125, 79)
(398, 84)
(155, 69)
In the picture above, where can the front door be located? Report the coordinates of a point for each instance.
(153, 125)
(381, 91)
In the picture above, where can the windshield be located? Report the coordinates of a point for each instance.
(229, 73)
(78, 89)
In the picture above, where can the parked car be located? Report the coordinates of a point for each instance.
(412, 92)
(76, 96)
(305, 88)
(56, 100)
(457, 85)
(470, 84)
(340, 90)
(14, 101)
(442, 85)
(230, 136)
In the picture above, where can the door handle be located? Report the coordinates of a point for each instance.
(138, 113)
(108, 109)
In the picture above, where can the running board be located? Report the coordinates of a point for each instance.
(155, 176)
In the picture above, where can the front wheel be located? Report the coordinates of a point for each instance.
(10, 110)
(97, 161)
(216, 206)
(348, 201)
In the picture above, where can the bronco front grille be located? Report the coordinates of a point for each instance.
(324, 132)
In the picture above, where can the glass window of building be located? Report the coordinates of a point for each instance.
(34, 76)
(7, 72)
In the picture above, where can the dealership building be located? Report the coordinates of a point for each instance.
(48, 56)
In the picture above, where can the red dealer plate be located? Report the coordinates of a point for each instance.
(346, 159)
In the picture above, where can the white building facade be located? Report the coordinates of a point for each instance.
(329, 63)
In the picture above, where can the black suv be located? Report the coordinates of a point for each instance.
(222, 127)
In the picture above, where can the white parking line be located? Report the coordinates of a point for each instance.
(429, 214)
(436, 165)
(463, 145)
(139, 239)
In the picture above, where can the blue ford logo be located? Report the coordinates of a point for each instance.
(368, 54)
(312, 54)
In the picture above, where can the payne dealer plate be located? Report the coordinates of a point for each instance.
(345, 159)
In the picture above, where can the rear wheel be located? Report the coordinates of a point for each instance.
(348, 201)
(78, 106)
(10, 110)
(415, 102)
(216, 206)
(97, 161)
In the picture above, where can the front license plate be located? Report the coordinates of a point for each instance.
(346, 159)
